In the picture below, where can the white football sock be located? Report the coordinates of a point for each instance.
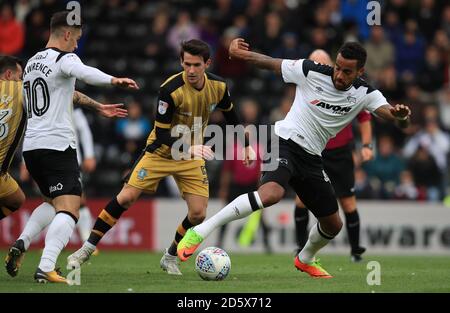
(316, 241)
(236, 209)
(58, 236)
(41, 217)
(84, 224)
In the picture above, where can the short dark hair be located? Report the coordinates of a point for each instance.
(354, 51)
(195, 47)
(60, 19)
(8, 62)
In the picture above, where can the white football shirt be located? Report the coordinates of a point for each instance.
(320, 110)
(49, 84)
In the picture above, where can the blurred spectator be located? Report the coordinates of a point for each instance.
(442, 43)
(363, 188)
(409, 49)
(389, 84)
(436, 143)
(155, 46)
(356, 12)
(278, 113)
(255, 12)
(444, 108)
(400, 7)
(426, 17)
(417, 105)
(207, 29)
(334, 9)
(322, 19)
(319, 40)
(386, 167)
(112, 11)
(135, 128)
(392, 26)
(223, 65)
(223, 13)
(407, 189)
(446, 20)
(11, 31)
(426, 174)
(22, 8)
(380, 53)
(36, 32)
(270, 38)
(431, 77)
(184, 29)
(290, 49)
(240, 22)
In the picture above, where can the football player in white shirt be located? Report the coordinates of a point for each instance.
(50, 141)
(327, 99)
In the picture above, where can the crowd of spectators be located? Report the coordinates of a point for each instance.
(408, 60)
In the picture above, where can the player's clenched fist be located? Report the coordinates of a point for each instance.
(401, 111)
(238, 47)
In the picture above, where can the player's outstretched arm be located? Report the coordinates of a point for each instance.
(72, 66)
(398, 114)
(239, 49)
(107, 110)
(124, 83)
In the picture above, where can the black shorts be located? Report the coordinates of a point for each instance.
(338, 164)
(56, 172)
(304, 172)
(236, 190)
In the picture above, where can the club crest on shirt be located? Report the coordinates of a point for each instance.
(351, 99)
(142, 173)
(162, 107)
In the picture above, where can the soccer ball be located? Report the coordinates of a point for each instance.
(212, 264)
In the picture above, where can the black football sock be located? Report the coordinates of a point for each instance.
(301, 218)
(353, 227)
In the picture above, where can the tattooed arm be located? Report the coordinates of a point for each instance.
(239, 49)
(83, 100)
(107, 110)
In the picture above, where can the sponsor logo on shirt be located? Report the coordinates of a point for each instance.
(335, 108)
(59, 186)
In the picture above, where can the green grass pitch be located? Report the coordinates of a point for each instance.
(250, 273)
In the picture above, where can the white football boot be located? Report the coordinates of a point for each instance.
(169, 263)
(76, 259)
